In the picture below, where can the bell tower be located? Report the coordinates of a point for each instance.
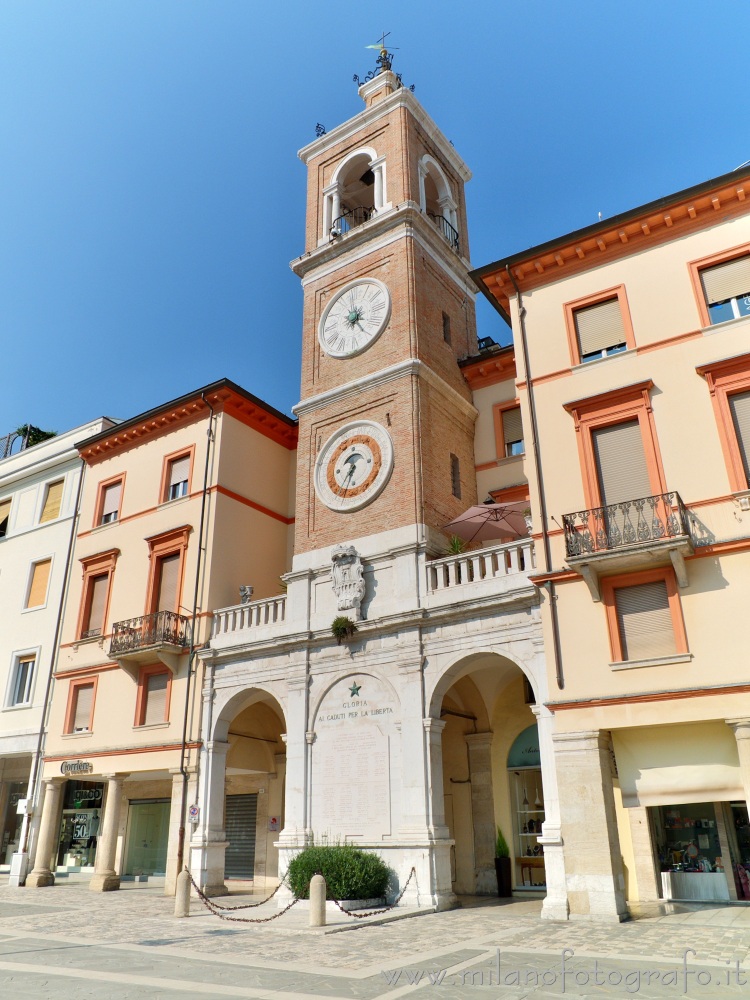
(386, 442)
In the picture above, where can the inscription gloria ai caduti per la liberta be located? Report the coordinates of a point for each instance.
(355, 760)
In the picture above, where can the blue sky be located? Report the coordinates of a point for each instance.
(151, 197)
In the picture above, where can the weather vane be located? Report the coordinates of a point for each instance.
(383, 63)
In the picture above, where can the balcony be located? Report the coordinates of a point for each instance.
(635, 534)
(489, 572)
(446, 229)
(253, 615)
(350, 219)
(163, 635)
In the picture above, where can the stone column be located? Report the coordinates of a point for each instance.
(209, 842)
(175, 820)
(105, 878)
(482, 812)
(555, 905)
(436, 818)
(646, 877)
(741, 729)
(296, 818)
(49, 834)
(593, 861)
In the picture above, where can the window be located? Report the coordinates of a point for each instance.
(446, 328)
(644, 616)
(110, 496)
(729, 384)
(52, 502)
(37, 596)
(167, 561)
(621, 466)
(456, 477)
(4, 516)
(512, 432)
(154, 690)
(178, 473)
(80, 707)
(726, 288)
(168, 580)
(22, 681)
(599, 326)
(98, 572)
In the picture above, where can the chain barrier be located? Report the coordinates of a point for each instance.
(221, 911)
(384, 909)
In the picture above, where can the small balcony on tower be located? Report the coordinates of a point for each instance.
(163, 635)
(633, 534)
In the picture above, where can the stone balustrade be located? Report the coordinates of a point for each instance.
(474, 567)
(271, 611)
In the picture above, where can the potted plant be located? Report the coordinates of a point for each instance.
(527, 519)
(342, 628)
(502, 865)
(456, 545)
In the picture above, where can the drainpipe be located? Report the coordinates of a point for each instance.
(549, 585)
(192, 650)
(33, 786)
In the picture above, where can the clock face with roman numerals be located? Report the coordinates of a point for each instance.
(354, 318)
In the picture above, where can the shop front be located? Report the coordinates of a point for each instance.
(527, 798)
(12, 820)
(79, 827)
(147, 837)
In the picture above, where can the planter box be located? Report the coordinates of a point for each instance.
(502, 870)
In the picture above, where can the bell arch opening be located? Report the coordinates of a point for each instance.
(436, 200)
(356, 193)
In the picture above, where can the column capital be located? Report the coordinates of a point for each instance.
(217, 747)
(741, 728)
(578, 742)
(434, 727)
(479, 739)
(118, 776)
(310, 737)
(56, 780)
(297, 683)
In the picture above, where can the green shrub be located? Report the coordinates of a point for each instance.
(350, 872)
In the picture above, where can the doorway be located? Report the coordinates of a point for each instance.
(240, 824)
(148, 833)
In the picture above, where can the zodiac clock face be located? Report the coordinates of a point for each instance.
(354, 318)
(354, 465)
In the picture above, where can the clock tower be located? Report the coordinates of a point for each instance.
(386, 443)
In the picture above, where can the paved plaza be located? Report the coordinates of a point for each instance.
(66, 942)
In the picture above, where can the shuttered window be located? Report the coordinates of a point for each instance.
(4, 516)
(644, 621)
(169, 577)
(179, 470)
(83, 702)
(111, 502)
(727, 281)
(38, 585)
(23, 680)
(97, 602)
(600, 330)
(739, 404)
(52, 502)
(621, 463)
(155, 696)
(513, 432)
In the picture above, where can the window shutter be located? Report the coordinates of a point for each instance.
(644, 621)
(621, 463)
(169, 573)
(84, 701)
(739, 404)
(39, 581)
(4, 515)
(600, 327)
(178, 470)
(111, 502)
(99, 586)
(512, 428)
(726, 281)
(156, 699)
(52, 502)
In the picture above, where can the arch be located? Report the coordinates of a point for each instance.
(356, 192)
(468, 664)
(436, 198)
(367, 151)
(237, 702)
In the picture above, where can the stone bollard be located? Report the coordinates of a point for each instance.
(182, 894)
(317, 901)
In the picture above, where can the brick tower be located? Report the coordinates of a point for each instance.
(386, 423)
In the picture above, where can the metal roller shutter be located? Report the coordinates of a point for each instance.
(600, 327)
(739, 404)
(727, 281)
(240, 822)
(621, 463)
(644, 621)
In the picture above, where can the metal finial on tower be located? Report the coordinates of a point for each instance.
(384, 62)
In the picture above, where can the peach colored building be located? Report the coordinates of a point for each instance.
(632, 347)
(181, 508)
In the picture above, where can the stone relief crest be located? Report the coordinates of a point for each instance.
(348, 579)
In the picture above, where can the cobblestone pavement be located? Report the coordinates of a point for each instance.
(66, 942)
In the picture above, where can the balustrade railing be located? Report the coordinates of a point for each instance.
(162, 628)
(482, 564)
(648, 519)
(449, 233)
(270, 611)
(351, 218)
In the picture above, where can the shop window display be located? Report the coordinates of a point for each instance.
(689, 851)
(81, 820)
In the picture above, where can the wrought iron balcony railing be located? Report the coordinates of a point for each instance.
(350, 219)
(648, 519)
(162, 628)
(450, 234)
